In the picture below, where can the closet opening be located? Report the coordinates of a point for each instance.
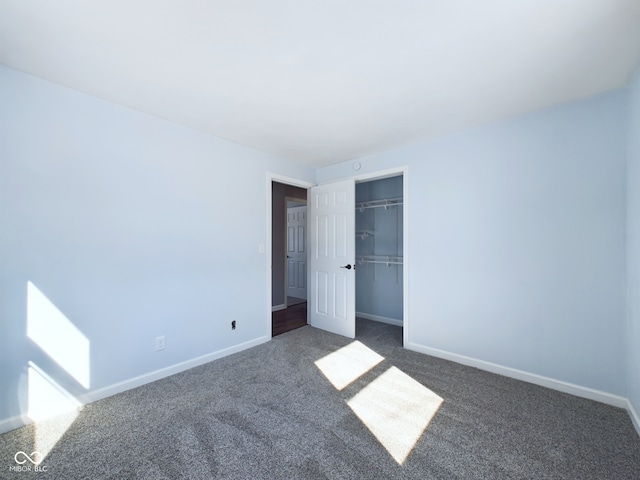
(379, 256)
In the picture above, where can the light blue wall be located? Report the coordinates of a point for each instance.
(133, 227)
(516, 236)
(517, 241)
(633, 246)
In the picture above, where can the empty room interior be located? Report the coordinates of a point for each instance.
(320, 239)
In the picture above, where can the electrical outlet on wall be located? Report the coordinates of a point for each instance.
(160, 344)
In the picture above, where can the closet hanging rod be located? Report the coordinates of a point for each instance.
(385, 202)
(362, 262)
(386, 260)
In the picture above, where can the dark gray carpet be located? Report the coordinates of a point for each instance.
(269, 413)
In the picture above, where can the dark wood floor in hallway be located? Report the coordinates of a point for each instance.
(289, 319)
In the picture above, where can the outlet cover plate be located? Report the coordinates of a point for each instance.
(160, 343)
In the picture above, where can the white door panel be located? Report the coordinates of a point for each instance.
(332, 237)
(296, 252)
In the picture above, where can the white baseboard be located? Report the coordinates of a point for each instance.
(22, 420)
(559, 385)
(635, 418)
(275, 308)
(18, 421)
(12, 423)
(167, 371)
(378, 318)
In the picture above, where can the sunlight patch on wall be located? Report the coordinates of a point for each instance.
(47, 399)
(396, 409)
(52, 331)
(347, 364)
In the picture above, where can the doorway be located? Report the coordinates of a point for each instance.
(384, 261)
(288, 257)
(296, 251)
(279, 303)
(380, 251)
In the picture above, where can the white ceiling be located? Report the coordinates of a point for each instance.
(325, 81)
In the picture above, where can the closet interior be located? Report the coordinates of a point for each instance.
(379, 252)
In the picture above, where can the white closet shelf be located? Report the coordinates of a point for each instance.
(384, 259)
(385, 203)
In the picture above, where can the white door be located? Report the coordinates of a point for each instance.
(297, 252)
(332, 260)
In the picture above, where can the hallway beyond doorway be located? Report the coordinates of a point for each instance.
(292, 317)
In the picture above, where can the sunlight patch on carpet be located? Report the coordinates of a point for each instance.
(347, 364)
(396, 409)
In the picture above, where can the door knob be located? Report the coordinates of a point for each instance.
(347, 266)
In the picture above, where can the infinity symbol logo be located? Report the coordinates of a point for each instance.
(35, 458)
